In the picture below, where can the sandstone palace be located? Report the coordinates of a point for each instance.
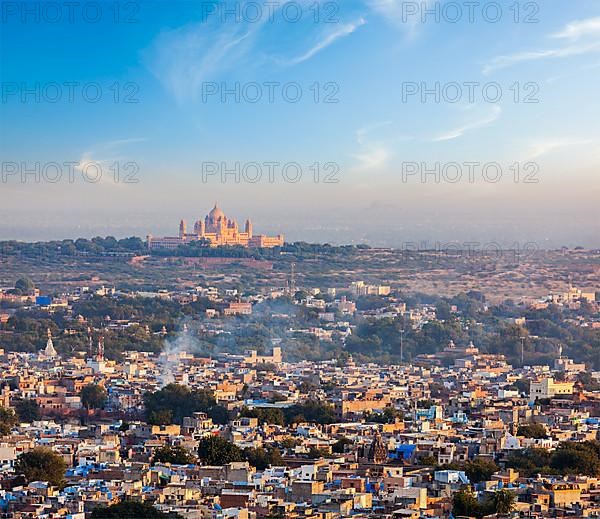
(218, 230)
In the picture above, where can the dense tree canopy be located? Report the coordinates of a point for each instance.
(262, 458)
(24, 285)
(176, 455)
(536, 430)
(8, 419)
(214, 450)
(570, 458)
(93, 396)
(41, 464)
(311, 411)
(174, 402)
(27, 410)
(465, 503)
(477, 469)
(270, 415)
(131, 510)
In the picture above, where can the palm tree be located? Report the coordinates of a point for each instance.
(504, 501)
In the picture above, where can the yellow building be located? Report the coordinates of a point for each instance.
(548, 388)
(218, 230)
(565, 494)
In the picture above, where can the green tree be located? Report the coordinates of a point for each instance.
(428, 461)
(588, 382)
(316, 452)
(521, 385)
(214, 450)
(530, 461)
(477, 470)
(8, 419)
(534, 430)
(262, 458)
(93, 396)
(290, 442)
(464, 502)
(27, 410)
(41, 464)
(389, 415)
(339, 447)
(312, 411)
(174, 402)
(577, 458)
(503, 501)
(270, 415)
(159, 417)
(177, 455)
(480, 469)
(24, 285)
(131, 510)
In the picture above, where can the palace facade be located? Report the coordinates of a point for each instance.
(218, 230)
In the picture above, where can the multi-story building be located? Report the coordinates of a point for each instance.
(218, 230)
(547, 388)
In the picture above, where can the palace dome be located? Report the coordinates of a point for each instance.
(216, 213)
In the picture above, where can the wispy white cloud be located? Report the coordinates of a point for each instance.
(401, 13)
(103, 157)
(545, 146)
(363, 133)
(185, 58)
(461, 130)
(514, 59)
(587, 30)
(376, 143)
(326, 41)
(372, 157)
(578, 29)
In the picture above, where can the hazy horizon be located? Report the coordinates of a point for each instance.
(377, 112)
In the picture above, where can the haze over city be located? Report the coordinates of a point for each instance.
(299, 259)
(177, 88)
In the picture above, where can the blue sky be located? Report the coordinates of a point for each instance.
(360, 53)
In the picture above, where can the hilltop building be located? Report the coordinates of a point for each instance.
(218, 230)
(571, 296)
(49, 350)
(547, 387)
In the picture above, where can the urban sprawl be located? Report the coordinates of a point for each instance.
(354, 400)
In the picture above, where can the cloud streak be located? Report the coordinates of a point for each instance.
(397, 13)
(461, 130)
(341, 32)
(184, 58)
(545, 146)
(572, 33)
(576, 30)
(376, 146)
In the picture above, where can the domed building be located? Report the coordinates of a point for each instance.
(219, 230)
(49, 351)
(215, 216)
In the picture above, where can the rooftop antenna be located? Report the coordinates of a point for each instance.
(522, 339)
(101, 348)
(293, 279)
(401, 347)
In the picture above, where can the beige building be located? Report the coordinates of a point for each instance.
(572, 295)
(548, 388)
(253, 358)
(360, 288)
(218, 230)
